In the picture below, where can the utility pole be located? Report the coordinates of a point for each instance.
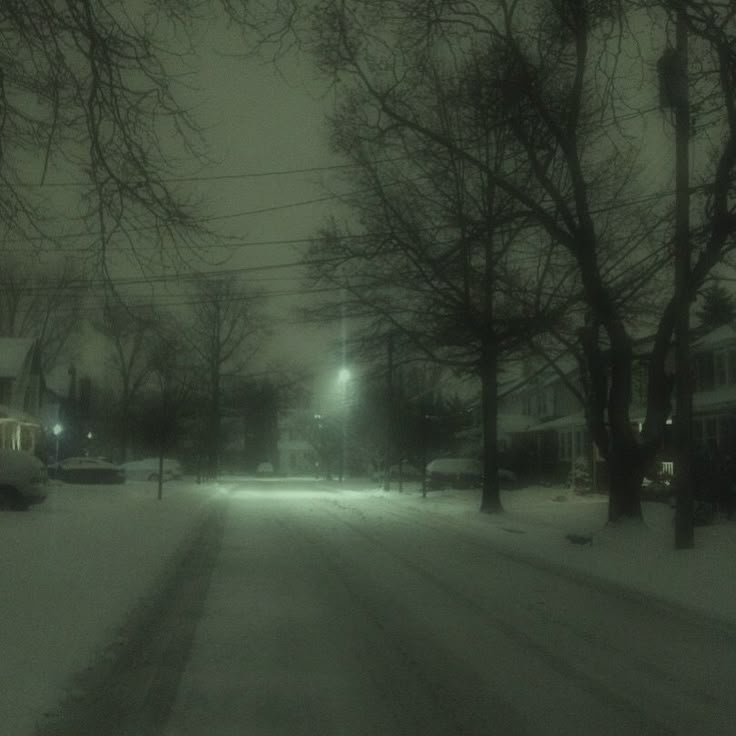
(389, 413)
(684, 536)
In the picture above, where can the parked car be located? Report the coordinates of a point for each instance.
(460, 472)
(454, 472)
(87, 470)
(147, 469)
(22, 480)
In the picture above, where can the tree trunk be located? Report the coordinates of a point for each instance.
(124, 433)
(491, 496)
(684, 531)
(625, 459)
(626, 466)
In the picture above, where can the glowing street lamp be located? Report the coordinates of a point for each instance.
(57, 429)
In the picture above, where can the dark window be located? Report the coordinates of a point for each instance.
(719, 360)
(704, 371)
(710, 438)
(697, 432)
(732, 366)
(724, 429)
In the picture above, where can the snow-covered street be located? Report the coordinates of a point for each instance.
(288, 607)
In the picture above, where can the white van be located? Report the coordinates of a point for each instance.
(23, 479)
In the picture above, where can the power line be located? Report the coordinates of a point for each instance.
(216, 177)
(607, 207)
(611, 121)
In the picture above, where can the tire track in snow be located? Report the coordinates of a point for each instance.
(420, 701)
(129, 691)
(621, 694)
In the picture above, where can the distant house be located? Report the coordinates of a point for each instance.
(297, 454)
(21, 393)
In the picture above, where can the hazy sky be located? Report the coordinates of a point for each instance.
(260, 121)
(263, 127)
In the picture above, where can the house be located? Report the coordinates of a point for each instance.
(714, 397)
(543, 422)
(296, 452)
(21, 394)
(541, 425)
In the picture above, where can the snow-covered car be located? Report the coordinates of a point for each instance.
(460, 472)
(148, 468)
(454, 472)
(87, 470)
(408, 472)
(22, 479)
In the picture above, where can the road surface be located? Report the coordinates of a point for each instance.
(301, 610)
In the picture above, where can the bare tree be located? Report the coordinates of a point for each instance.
(42, 301)
(171, 394)
(558, 74)
(91, 91)
(129, 332)
(444, 259)
(223, 331)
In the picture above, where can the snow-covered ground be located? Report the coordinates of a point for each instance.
(638, 556)
(74, 567)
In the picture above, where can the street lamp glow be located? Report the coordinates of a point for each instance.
(57, 429)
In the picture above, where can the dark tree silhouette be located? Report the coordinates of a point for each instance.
(718, 308)
(556, 73)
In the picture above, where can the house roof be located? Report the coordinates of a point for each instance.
(566, 422)
(713, 338)
(513, 423)
(13, 353)
(8, 413)
(722, 397)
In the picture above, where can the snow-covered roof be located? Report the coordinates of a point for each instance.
(566, 422)
(13, 352)
(722, 334)
(508, 423)
(9, 414)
